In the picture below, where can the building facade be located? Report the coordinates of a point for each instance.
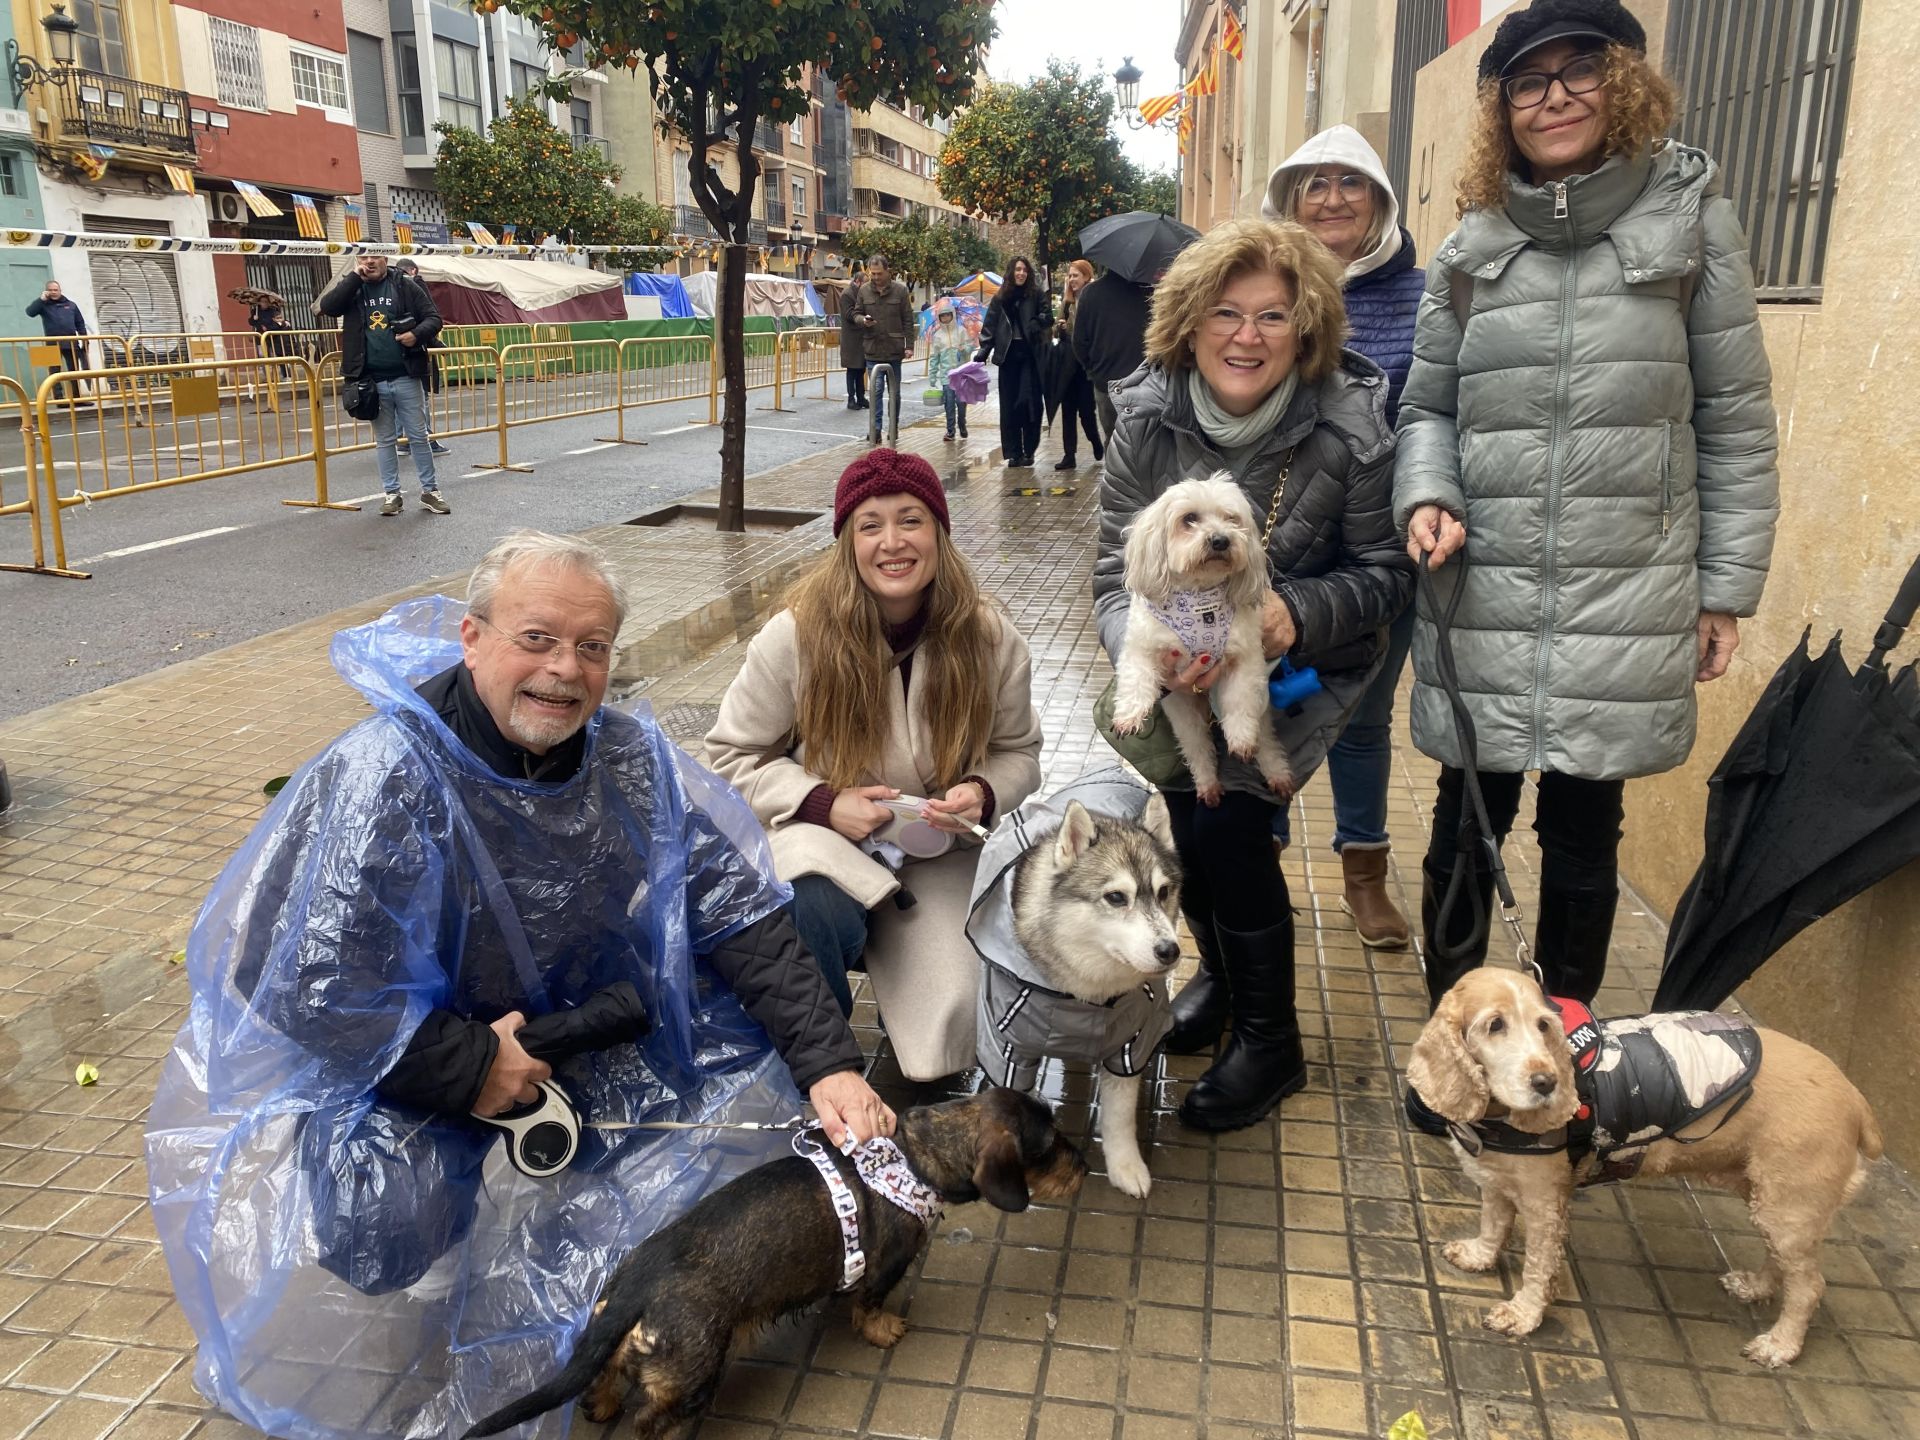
(24, 273)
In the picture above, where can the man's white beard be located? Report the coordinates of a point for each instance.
(543, 732)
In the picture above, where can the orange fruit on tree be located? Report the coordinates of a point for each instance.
(878, 43)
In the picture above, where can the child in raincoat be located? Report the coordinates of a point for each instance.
(948, 346)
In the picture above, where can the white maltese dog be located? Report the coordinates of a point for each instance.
(1198, 579)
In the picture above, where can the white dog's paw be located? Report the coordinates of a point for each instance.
(1771, 1351)
(1243, 735)
(1281, 784)
(1129, 1175)
(1753, 1286)
(1128, 724)
(1476, 1257)
(1510, 1317)
(1210, 793)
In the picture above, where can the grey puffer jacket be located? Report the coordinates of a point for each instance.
(1605, 429)
(1334, 556)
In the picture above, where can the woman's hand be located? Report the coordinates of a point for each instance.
(1716, 638)
(959, 809)
(1277, 632)
(510, 1079)
(856, 816)
(846, 1102)
(1196, 676)
(1431, 530)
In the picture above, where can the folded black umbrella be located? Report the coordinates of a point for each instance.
(614, 1016)
(1816, 800)
(1136, 246)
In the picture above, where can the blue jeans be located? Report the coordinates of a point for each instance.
(1361, 761)
(883, 383)
(403, 409)
(955, 407)
(833, 927)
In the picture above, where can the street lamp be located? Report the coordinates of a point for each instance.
(28, 72)
(1126, 83)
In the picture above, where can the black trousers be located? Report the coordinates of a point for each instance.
(1020, 410)
(1226, 857)
(1077, 404)
(1578, 822)
(856, 382)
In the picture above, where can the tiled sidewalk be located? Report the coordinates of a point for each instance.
(1282, 1281)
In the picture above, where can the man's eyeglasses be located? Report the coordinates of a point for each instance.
(1579, 76)
(1225, 320)
(1352, 188)
(593, 654)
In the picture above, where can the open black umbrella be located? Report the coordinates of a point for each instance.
(1817, 800)
(1136, 246)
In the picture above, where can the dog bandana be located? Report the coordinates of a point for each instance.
(884, 1171)
(1199, 619)
(1639, 1080)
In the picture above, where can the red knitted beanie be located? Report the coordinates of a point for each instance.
(889, 472)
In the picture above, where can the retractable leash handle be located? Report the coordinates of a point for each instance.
(543, 1135)
(1510, 914)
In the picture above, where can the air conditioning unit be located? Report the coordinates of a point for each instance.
(225, 208)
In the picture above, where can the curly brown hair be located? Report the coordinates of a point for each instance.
(1641, 103)
(1193, 283)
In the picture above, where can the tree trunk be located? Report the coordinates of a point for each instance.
(733, 424)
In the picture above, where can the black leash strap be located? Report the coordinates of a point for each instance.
(1479, 831)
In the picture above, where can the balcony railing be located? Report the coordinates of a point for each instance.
(595, 142)
(116, 111)
(691, 221)
(769, 137)
(776, 212)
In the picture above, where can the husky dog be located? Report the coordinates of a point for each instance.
(1197, 571)
(1083, 975)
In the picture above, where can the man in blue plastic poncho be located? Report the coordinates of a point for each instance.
(352, 1249)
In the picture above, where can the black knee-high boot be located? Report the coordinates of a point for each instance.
(1200, 1009)
(1263, 1062)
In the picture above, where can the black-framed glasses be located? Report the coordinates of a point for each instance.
(592, 654)
(1225, 320)
(1579, 76)
(1353, 188)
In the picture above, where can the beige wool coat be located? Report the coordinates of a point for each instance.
(924, 973)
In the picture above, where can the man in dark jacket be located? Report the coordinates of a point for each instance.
(1109, 336)
(386, 323)
(883, 310)
(60, 319)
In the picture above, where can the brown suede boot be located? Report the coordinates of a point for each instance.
(1378, 920)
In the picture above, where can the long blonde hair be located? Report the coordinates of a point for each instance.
(846, 664)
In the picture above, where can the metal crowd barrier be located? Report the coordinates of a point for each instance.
(26, 497)
(806, 352)
(26, 359)
(458, 405)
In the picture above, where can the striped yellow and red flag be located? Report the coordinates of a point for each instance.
(1210, 77)
(1186, 130)
(1233, 39)
(1160, 106)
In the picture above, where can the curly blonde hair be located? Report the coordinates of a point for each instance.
(1193, 285)
(1641, 103)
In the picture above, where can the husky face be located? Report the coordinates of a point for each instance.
(1095, 903)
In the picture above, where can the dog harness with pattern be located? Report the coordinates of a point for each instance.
(1639, 1080)
(883, 1170)
(1199, 619)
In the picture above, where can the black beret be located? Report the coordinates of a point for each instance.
(1546, 20)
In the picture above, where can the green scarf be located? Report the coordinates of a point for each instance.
(1233, 433)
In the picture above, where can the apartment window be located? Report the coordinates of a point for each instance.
(9, 173)
(238, 77)
(459, 79)
(582, 120)
(369, 83)
(525, 77)
(799, 198)
(319, 79)
(102, 36)
(413, 113)
(798, 130)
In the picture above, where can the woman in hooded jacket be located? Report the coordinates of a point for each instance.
(1013, 335)
(1336, 186)
(1590, 416)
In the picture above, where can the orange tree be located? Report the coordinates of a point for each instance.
(525, 172)
(1043, 152)
(717, 68)
(920, 253)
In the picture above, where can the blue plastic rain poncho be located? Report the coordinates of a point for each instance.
(355, 1269)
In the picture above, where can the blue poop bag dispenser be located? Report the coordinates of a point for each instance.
(1288, 688)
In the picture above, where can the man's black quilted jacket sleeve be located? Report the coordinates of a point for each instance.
(781, 986)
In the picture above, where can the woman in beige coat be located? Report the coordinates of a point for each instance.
(888, 676)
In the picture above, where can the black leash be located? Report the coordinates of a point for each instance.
(1477, 831)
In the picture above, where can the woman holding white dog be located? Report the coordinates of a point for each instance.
(1590, 416)
(1245, 374)
(888, 678)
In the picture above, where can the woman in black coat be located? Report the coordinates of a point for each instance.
(1014, 337)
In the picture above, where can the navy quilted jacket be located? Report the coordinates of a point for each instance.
(1381, 306)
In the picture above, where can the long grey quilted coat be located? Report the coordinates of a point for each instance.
(1605, 428)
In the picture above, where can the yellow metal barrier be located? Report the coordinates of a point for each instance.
(556, 380)
(658, 369)
(806, 347)
(13, 395)
(26, 359)
(460, 405)
(107, 456)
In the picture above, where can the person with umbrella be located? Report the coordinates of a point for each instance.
(1110, 316)
(1247, 374)
(1590, 414)
(1014, 337)
(1067, 387)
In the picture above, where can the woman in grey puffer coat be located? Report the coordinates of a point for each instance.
(1589, 413)
(1245, 373)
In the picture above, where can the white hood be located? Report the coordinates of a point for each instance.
(1341, 145)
